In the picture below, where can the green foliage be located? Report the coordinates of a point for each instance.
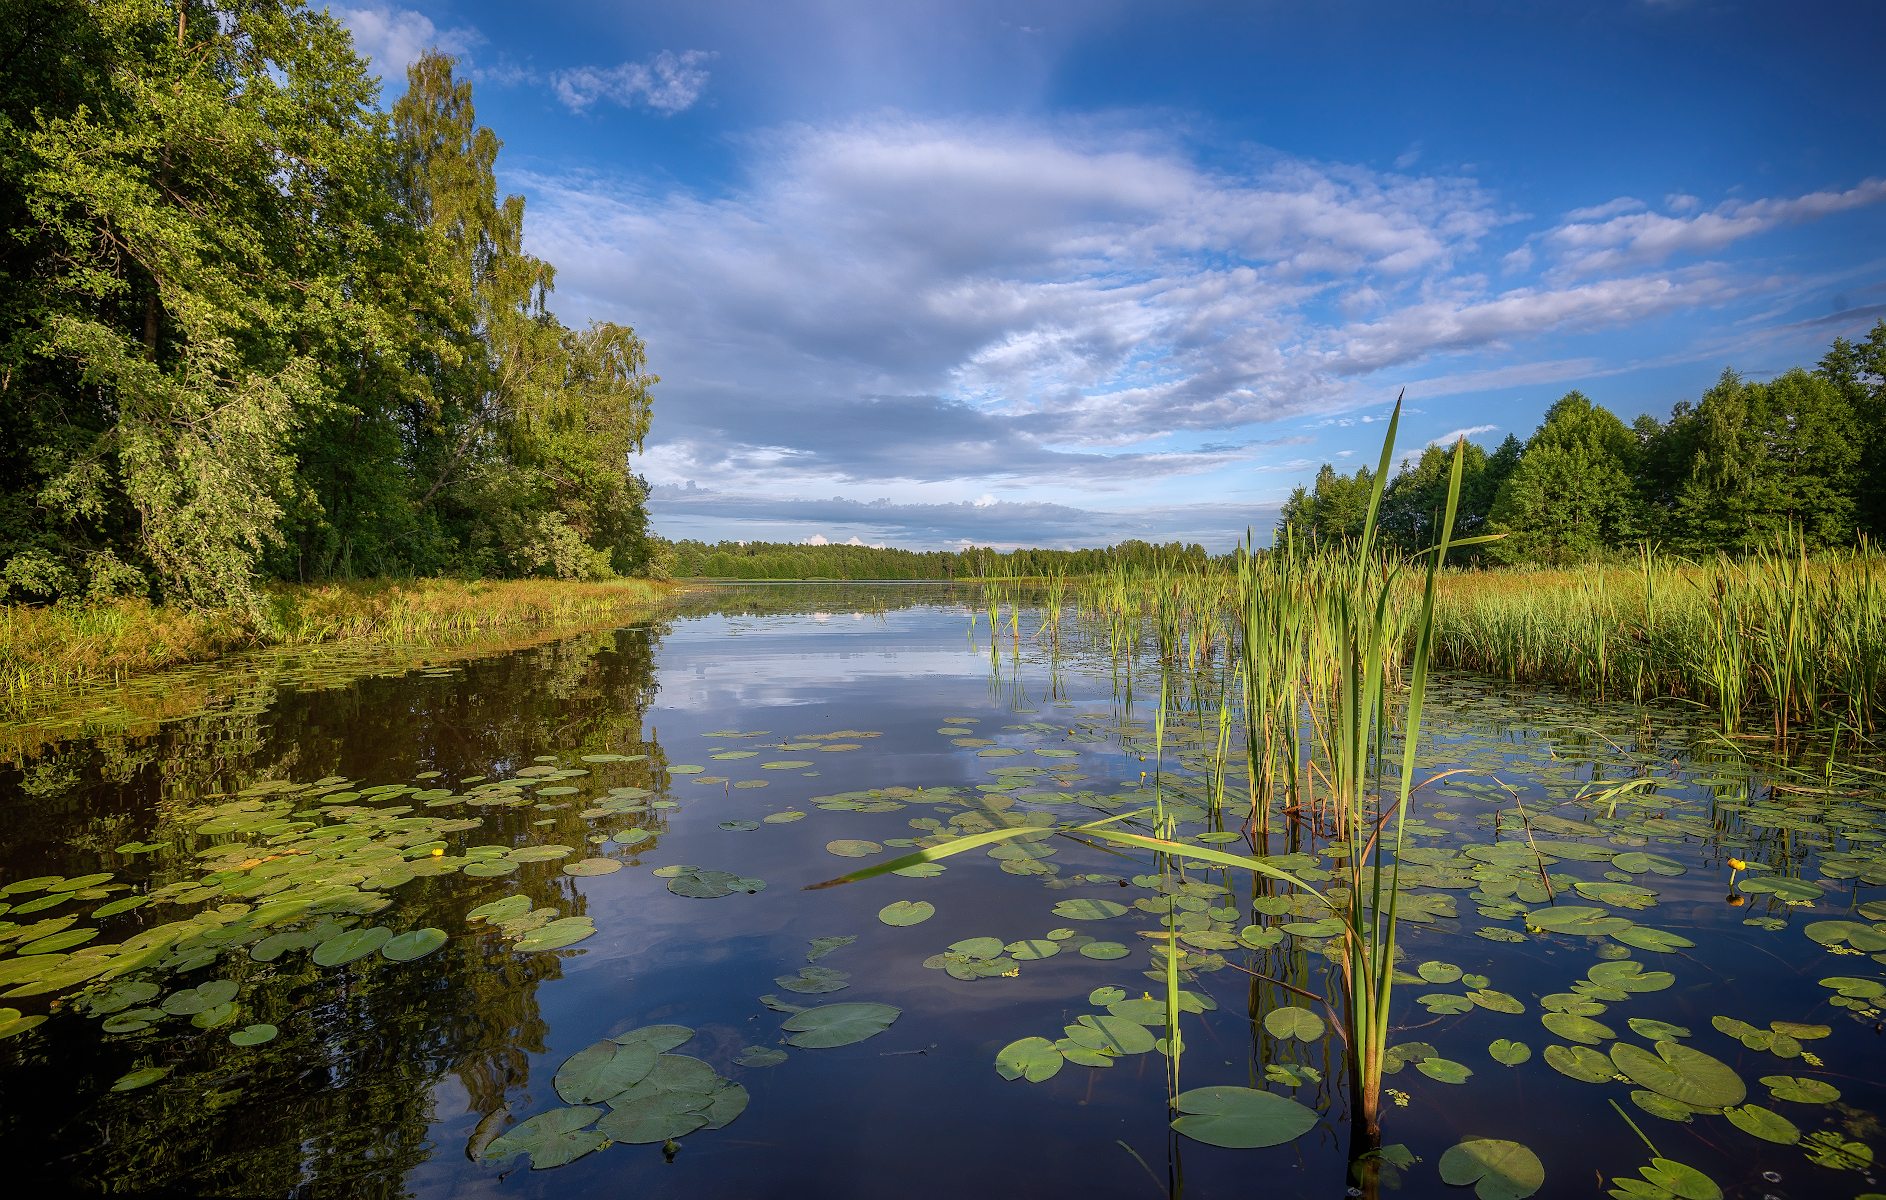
(1754, 460)
(795, 560)
(250, 326)
(1748, 467)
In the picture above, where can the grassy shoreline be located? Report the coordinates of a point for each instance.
(64, 645)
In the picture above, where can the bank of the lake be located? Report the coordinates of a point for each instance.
(43, 646)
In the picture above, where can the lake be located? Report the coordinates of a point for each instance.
(222, 981)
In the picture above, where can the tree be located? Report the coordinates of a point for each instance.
(186, 184)
(1335, 510)
(1757, 460)
(1571, 494)
(1859, 372)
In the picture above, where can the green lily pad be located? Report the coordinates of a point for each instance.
(662, 1038)
(1680, 1072)
(815, 980)
(1116, 1035)
(555, 936)
(1103, 951)
(413, 944)
(1498, 1170)
(1438, 972)
(1032, 949)
(1637, 862)
(1509, 1053)
(501, 909)
(1241, 1118)
(760, 1056)
(853, 848)
(786, 764)
(253, 1035)
(1577, 1029)
(1675, 1179)
(820, 947)
(1802, 1091)
(1032, 1058)
(1294, 1022)
(1629, 976)
(1444, 1003)
(551, 1139)
(1081, 1056)
(907, 912)
(142, 1077)
(1494, 1001)
(1662, 1106)
(839, 1024)
(604, 1070)
(1444, 1070)
(1763, 1123)
(490, 868)
(1660, 941)
(1580, 1062)
(1103, 996)
(593, 866)
(1494, 933)
(1088, 910)
(726, 1102)
(12, 1023)
(1657, 1031)
(213, 1016)
(923, 870)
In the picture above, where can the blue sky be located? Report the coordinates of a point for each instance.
(1063, 273)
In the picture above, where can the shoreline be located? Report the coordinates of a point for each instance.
(65, 646)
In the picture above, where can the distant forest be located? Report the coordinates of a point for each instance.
(1749, 463)
(253, 327)
(790, 560)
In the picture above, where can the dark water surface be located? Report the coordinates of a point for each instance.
(383, 1071)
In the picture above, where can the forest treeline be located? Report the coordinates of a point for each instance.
(1802, 454)
(793, 560)
(252, 326)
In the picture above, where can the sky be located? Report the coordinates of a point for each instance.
(930, 274)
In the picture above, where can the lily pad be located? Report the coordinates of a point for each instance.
(1294, 1022)
(1032, 1058)
(853, 848)
(760, 1056)
(253, 1035)
(1438, 972)
(1802, 1091)
(1680, 1072)
(1445, 1003)
(593, 866)
(1662, 1106)
(1763, 1123)
(1032, 949)
(1577, 1029)
(1088, 910)
(1580, 1062)
(815, 980)
(839, 1024)
(351, 945)
(1660, 941)
(1657, 1031)
(1494, 1001)
(1116, 1035)
(142, 1077)
(1629, 976)
(1444, 1070)
(1509, 1053)
(1499, 1170)
(825, 945)
(1104, 951)
(414, 943)
(923, 870)
(551, 1139)
(603, 1070)
(1637, 862)
(662, 1038)
(906, 912)
(1241, 1118)
(1103, 996)
(555, 936)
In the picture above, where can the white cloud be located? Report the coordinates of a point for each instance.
(1452, 436)
(938, 307)
(1409, 157)
(668, 83)
(1587, 244)
(395, 37)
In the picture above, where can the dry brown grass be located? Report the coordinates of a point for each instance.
(42, 647)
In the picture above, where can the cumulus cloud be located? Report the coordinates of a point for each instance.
(1588, 243)
(931, 307)
(668, 83)
(395, 37)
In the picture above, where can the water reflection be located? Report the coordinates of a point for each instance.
(385, 1078)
